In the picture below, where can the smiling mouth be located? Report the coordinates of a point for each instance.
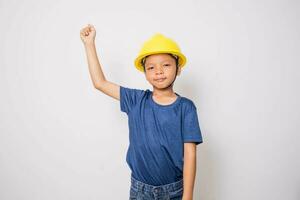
(160, 80)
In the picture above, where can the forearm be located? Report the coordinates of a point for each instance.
(189, 171)
(95, 68)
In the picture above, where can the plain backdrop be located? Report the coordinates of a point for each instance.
(60, 138)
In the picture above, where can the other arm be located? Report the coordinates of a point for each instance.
(189, 170)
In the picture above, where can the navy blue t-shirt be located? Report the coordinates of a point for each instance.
(156, 135)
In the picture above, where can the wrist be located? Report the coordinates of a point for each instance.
(89, 44)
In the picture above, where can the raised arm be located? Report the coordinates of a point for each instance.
(87, 36)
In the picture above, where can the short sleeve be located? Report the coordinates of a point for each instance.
(128, 98)
(191, 127)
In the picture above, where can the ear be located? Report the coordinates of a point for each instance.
(178, 71)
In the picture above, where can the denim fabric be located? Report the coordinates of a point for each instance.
(143, 191)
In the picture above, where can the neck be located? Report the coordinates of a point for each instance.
(165, 92)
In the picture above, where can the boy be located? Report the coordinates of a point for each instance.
(163, 125)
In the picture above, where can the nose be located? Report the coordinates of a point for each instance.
(159, 70)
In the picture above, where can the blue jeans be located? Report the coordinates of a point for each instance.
(143, 191)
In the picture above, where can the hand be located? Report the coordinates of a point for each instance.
(88, 34)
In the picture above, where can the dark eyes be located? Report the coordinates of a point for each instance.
(149, 68)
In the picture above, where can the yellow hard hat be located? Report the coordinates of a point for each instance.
(159, 44)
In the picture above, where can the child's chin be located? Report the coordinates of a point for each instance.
(160, 85)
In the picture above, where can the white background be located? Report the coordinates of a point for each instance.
(60, 138)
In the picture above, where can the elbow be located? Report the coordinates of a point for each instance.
(99, 85)
(96, 87)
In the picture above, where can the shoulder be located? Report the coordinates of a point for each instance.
(130, 97)
(187, 104)
(132, 91)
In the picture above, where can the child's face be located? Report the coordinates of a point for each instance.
(160, 70)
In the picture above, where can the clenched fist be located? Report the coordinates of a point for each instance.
(88, 34)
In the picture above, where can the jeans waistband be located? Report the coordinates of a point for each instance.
(171, 187)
